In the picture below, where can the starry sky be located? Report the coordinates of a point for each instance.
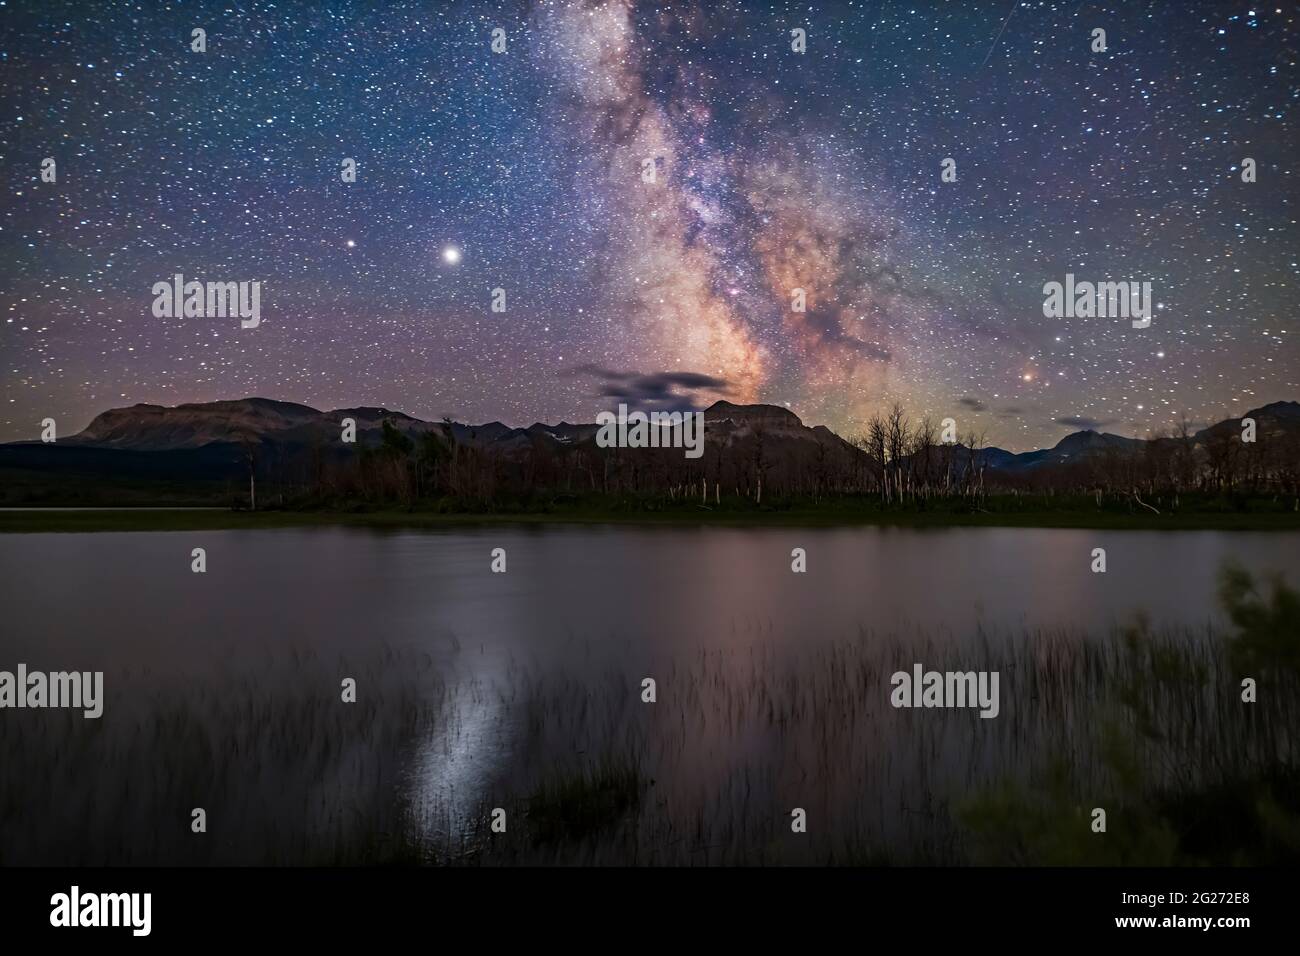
(774, 170)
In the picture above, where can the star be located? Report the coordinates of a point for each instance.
(771, 173)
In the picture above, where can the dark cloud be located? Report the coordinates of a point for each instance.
(1082, 421)
(656, 391)
(974, 404)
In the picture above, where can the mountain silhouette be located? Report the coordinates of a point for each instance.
(214, 443)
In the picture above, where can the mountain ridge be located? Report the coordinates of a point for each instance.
(192, 425)
(208, 452)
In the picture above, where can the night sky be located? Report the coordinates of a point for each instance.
(774, 170)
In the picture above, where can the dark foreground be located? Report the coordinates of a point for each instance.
(431, 765)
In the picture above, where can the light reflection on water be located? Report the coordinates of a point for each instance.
(116, 597)
(584, 613)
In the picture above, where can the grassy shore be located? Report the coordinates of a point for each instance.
(198, 519)
(1148, 725)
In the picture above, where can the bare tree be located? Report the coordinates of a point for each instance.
(248, 444)
(896, 437)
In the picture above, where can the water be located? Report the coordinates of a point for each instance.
(773, 686)
(92, 600)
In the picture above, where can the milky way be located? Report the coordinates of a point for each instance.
(773, 170)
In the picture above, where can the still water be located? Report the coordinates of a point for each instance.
(97, 599)
(523, 690)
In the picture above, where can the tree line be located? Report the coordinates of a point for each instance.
(895, 462)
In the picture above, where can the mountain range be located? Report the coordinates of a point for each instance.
(196, 425)
(155, 428)
(209, 441)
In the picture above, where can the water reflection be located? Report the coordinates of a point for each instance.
(773, 685)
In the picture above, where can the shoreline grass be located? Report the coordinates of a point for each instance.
(589, 775)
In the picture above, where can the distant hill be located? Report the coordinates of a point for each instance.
(268, 421)
(209, 444)
(195, 425)
(1273, 418)
(263, 420)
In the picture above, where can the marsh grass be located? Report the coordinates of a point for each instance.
(1147, 724)
(1188, 772)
